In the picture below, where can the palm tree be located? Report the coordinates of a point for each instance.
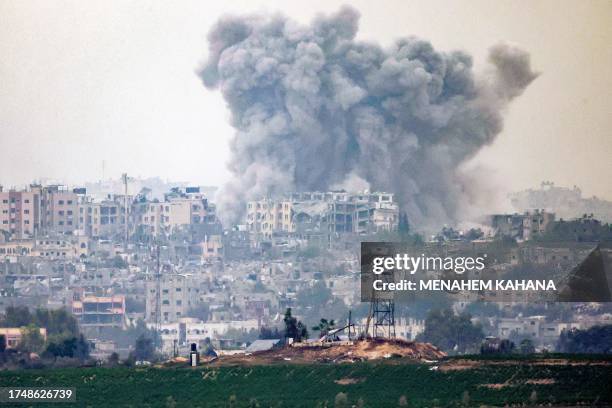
(324, 326)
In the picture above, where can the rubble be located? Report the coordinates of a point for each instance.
(362, 350)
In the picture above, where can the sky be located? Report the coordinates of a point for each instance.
(89, 90)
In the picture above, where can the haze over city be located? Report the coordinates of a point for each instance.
(264, 203)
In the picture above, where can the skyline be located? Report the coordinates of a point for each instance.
(117, 83)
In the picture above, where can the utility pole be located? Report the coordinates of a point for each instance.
(158, 294)
(124, 177)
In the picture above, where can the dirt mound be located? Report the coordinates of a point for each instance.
(362, 350)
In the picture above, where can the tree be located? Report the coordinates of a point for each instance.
(506, 346)
(324, 326)
(31, 339)
(293, 328)
(17, 316)
(113, 359)
(59, 323)
(74, 347)
(2, 343)
(268, 334)
(451, 332)
(143, 349)
(597, 339)
(526, 347)
(302, 331)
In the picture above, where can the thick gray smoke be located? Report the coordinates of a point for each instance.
(314, 109)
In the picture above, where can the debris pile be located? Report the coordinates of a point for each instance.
(363, 350)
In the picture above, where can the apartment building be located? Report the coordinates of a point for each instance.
(177, 294)
(59, 207)
(102, 218)
(20, 212)
(522, 226)
(323, 212)
(267, 216)
(179, 209)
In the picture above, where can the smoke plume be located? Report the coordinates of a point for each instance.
(315, 109)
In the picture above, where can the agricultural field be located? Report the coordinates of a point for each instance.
(557, 381)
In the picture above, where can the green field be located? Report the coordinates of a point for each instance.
(365, 384)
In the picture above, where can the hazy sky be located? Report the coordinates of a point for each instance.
(82, 82)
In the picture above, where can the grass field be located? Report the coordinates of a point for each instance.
(382, 384)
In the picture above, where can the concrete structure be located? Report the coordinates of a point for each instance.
(178, 294)
(522, 226)
(20, 213)
(179, 209)
(13, 335)
(189, 330)
(308, 213)
(98, 312)
(48, 247)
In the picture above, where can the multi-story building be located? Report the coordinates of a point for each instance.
(179, 209)
(20, 212)
(61, 247)
(329, 212)
(49, 247)
(102, 218)
(98, 312)
(267, 216)
(59, 207)
(177, 294)
(522, 226)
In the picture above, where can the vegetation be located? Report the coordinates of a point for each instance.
(360, 384)
(450, 332)
(577, 231)
(325, 326)
(294, 328)
(74, 347)
(266, 333)
(144, 350)
(597, 339)
(59, 323)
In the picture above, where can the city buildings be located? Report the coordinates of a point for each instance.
(174, 294)
(322, 213)
(98, 312)
(522, 226)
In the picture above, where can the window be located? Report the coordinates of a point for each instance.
(61, 202)
(26, 201)
(69, 202)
